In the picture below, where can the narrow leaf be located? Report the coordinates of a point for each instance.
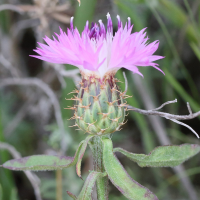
(42, 162)
(13, 195)
(120, 178)
(1, 193)
(196, 49)
(163, 156)
(72, 195)
(81, 154)
(88, 185)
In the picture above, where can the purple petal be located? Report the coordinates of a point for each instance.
(98, 50)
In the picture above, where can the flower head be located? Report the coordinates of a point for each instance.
(97, 51)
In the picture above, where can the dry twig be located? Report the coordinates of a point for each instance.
(16, 120)
(164, 114)
(171, 117)
(23, 24)
(61, 73)
(11, 7)
(45, 9)
(8, 66)
(164, 104)
(43, 86)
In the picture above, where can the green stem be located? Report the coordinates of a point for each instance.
(59, 185)
(6, 178)
(97, 153)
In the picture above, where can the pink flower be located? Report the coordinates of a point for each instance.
(97, 51)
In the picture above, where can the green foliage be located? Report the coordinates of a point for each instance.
(49, 162)
(1, 193)
(83, 13)
(72, 195)
(127, 9)
(6, 178)
(196, 49)
(56, 135)
(43, 162)
(120, 178)
(88, 185)
(81, 154)
(137, 1)
(181, 31)
(173, 179)
(177, 16)
(5, 20)
(39, 163)
(163, 156)
(173, 12)
(74, 183)
(13, 195)
(177, 86)
(48, 188)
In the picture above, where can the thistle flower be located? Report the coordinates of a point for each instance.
(99, 107)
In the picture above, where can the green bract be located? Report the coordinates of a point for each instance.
(99, 107)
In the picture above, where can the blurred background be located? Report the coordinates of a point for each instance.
(32, 94)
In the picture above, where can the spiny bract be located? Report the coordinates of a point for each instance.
(99, 107)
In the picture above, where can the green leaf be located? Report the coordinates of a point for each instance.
(196, 49)
(173, 12)
(39, 163)
(83, 13)
(42, 162)
(177, 16)
(13, 195)
(181, 90)
(163, 156)
(120, 178)
(81, 153)
(1, 193)
(137, 1)
(88, 185)
(72, 195)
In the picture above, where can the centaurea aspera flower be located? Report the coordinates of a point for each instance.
(99, 107)
(97, 51)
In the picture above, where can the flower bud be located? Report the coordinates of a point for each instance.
(99, 105)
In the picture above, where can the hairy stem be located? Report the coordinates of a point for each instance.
(59, 185)
(102, 182)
